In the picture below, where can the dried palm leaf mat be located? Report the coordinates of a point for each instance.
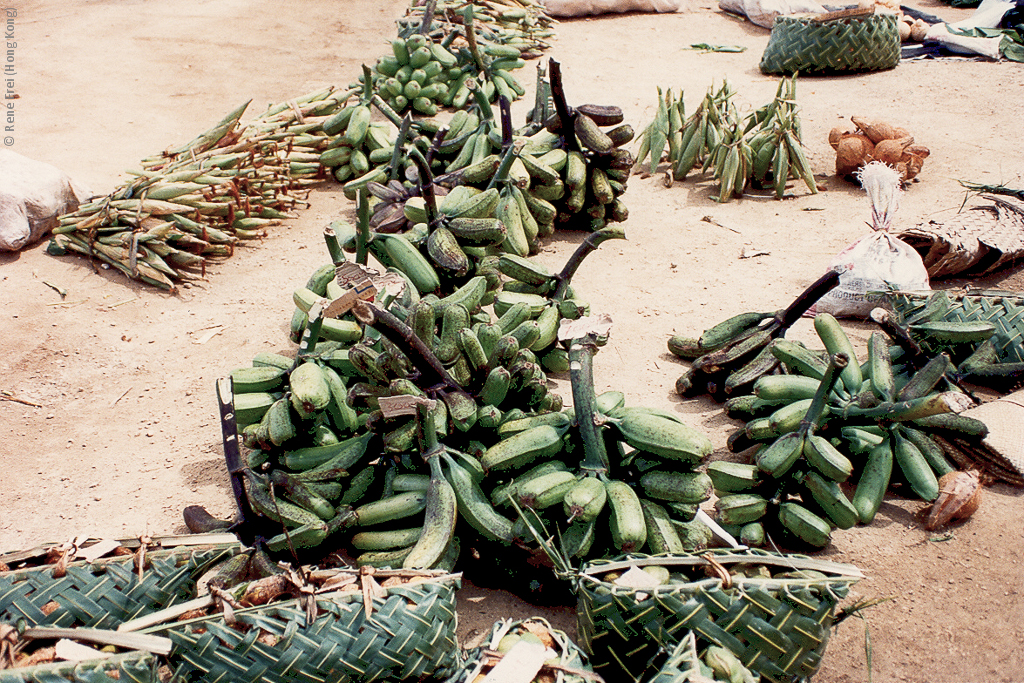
(346, 625)
(526, 651)
(773, 611)
(845, 40)
(974, 242)
(1001, 453)
(104, 592)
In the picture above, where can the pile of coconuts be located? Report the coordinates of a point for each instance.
(874, 140)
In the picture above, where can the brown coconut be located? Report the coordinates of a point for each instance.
(853, 151)
(891, 151)
(918, 30)
(835, 135)
(918, 151)
(904, 28)
(875, 130)
(959, 498)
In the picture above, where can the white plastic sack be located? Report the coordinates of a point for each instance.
(764, 12)
(988, 15)
(33, 194)
(875, 263)
(583, 8)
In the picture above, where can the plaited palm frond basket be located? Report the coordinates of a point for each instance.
(1003, 309)
(134, 667)
(773, 611)
(684, 665)
(565, 662)
(848, 40)
(364, 631)
(104, 592)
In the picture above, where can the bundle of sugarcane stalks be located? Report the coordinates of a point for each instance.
(197, 201)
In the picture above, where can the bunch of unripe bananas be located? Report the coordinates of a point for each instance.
(426, 74)
(826, 420)
(360, 146)
(642, 500)
(762, 149)
(523, 24)
(420, 74)
(323, 436)
(730, 356)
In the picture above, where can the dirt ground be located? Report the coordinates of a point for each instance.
(123, 433)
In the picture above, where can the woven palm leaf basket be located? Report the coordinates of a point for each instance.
(1005, 310)
(345, 625)
(531, 649)
(137, 667)
(49, 586)
(55, 655)
(843, 41)
(772, 611)
(685, 665)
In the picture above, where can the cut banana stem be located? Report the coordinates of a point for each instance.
(581, 376)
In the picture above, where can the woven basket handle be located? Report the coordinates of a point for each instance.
(843, 14)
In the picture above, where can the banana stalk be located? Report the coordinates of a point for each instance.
(588, 420)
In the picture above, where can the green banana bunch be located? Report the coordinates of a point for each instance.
(828, 441)
(360, 149)
(523, 24)
(597, 166)
(420, 74)
(637, 485)
(731, 355)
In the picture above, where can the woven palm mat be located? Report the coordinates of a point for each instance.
(976, 241)
(105, 593)
(1001, 453)
(777, 628)
(410, 634)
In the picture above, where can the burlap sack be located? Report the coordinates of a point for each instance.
(33, 194)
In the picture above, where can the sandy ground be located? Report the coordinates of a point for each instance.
(124, 433)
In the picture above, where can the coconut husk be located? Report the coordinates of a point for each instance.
(974, 242)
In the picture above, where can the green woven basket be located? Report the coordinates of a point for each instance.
(410, 634)
(569, 662)
(105, 592)
(777, 627)
(845, 42)
(130, 667)
(684, 665)
(1004, 309)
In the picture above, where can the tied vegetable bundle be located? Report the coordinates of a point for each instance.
(763, 149)
(199, 200)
